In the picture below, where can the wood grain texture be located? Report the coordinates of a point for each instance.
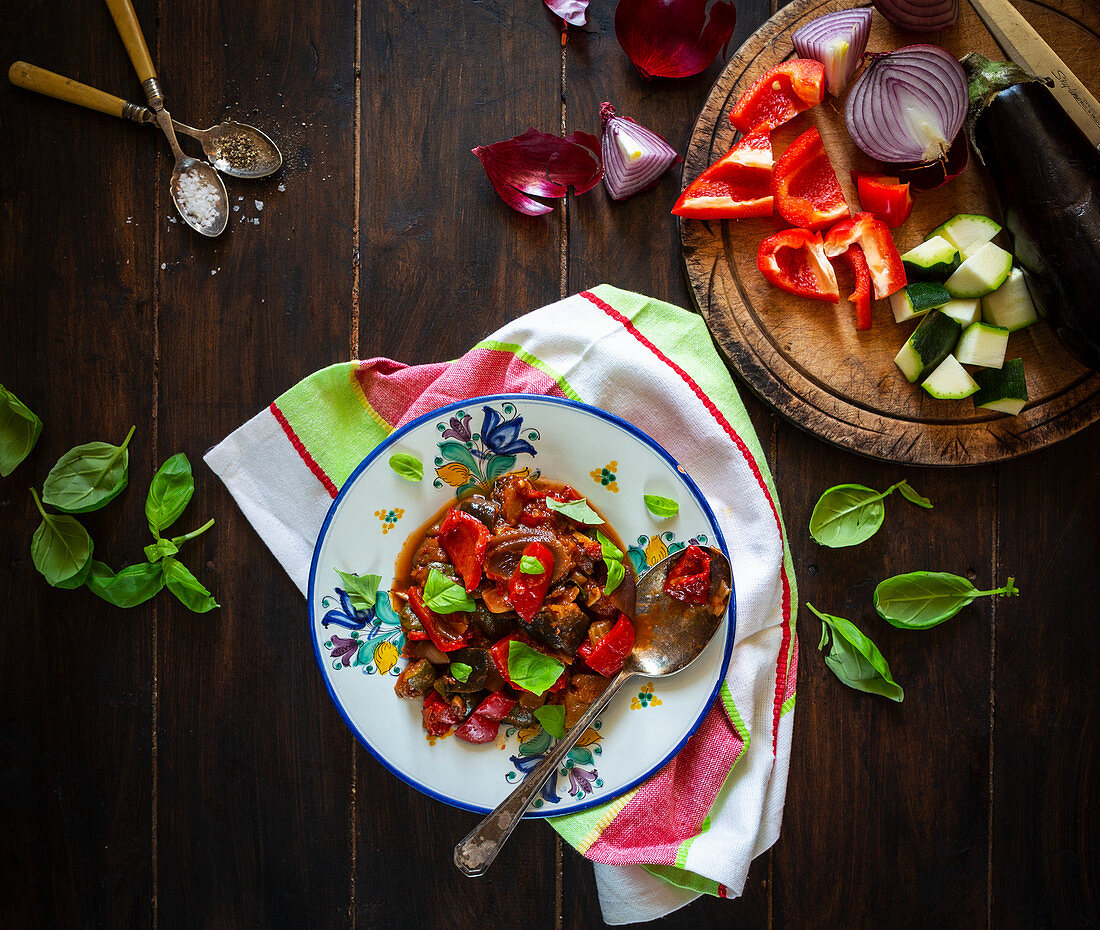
(806, 357)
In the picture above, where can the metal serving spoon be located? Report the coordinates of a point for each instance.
(197, 188)
(669, 636)
(233, 148)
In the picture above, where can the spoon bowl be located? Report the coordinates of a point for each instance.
(237, 149)
(199, 195)
(670, 634)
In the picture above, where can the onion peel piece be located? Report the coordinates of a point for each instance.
(572, 11)
(541, 164)
(674, 38)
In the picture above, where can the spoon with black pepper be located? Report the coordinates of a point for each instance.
(670, 634)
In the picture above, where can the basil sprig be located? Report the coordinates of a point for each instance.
(613, 559)
(19, 431)
(661, 507)
(362, 590)
(849, 514)
(134, 585)
(445, 596)
(61, 548)
(88, 477)
(854, 659)
(920, 600)
(408, 466)
(576, 510)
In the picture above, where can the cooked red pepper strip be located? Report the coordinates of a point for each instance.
(527, 592)
(483, 724)
(861, 296)
(438, 715)
(465, 538)
(873, 236)
(780, 94)
(736, 186)
(887, 198)
(498, 652)
(804, 185)
(609, 654)
(448, 631)
(794, 261)
(689, 579)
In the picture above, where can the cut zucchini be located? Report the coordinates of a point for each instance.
(965, 310)
(917, 299)
(929, 345)
(1010, 305)
(1002, 389)
(968, 232)
(932, 260)
(982, 273)
(950, 381)
(982, 344)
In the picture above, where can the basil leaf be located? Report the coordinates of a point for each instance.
(849, 514)
(854, 659)
(552, 718)
(407, 466)
(88, 477)
(134, 585)
(913, 497)
(919, 600)
(19, 431)
(361, 589)
(61, 548)
(662, 507)
(188, 588)
(169, 493)
(460, 671)
(615, 575)
(160, 549)
(530, 669)
(529, 565)
(445, 596)
(576, 510)
(608, 549)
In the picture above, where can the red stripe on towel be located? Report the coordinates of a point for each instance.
(303, 453)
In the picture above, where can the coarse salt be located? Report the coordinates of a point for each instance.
(199, 199)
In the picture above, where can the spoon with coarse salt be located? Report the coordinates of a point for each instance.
(197, 189)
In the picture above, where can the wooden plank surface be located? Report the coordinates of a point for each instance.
(164, 769)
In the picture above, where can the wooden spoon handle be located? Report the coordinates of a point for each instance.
(126, 21)
(41, 81)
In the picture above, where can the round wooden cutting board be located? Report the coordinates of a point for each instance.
(805, 357)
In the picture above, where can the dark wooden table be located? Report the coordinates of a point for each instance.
(166, 769)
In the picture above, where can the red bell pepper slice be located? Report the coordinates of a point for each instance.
(527, 592)
(736, 186)
(465, 538)
(483, 724)
(609, 654)
(887, 198)
(498, 652)
(861, 296)
(794, 260)
(689, 579)
(438, 715)
(804, 185)
(448, 631)
(873, 236)
(780, 94)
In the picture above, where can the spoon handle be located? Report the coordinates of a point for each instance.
(126, 21)
(475, 853)
(41, 81)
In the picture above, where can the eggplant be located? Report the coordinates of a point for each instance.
(1047, 178)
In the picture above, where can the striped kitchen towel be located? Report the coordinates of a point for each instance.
(695, 827)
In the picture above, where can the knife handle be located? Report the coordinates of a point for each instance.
(41, 81)
(126, 21)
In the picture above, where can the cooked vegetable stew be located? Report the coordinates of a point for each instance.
(512, 601)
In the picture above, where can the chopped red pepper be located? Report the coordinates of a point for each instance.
(448, 631)
(498, 652)
(438, 715)
(465, 538)
(861, 296)
(780, 94)
(689, 579)
(873, 236)
(609, 654)
(483, 724)
(804, 185)
(736, 186)
(527, 592)
(794, 260)
(887, 198)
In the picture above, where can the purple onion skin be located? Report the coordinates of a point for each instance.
(919, 15)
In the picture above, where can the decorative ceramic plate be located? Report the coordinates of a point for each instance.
(463, 446)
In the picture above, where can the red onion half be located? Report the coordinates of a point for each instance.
(919, 15)
(908, 106)
(634, 158)
(838, 41)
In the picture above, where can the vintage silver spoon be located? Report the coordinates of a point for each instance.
(669, 636)
(233, 148)
(197, 188)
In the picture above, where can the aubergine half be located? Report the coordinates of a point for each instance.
(1047, 177)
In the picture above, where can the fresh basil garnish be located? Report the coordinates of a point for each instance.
(61, 548)
(134, 585)
(169, 493)
(19, 431)
(615, 575)
(88, 477)
(190, 591)
(576, 510)
(662, 507)
(460, 671)
(529, 565)
(854, 659)
(552, 718)
(408, 466)
(362, 590)
(530, 669)
(154, 552)
(445, 596)
(849, 514)
(607, 548)
(919, 600)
